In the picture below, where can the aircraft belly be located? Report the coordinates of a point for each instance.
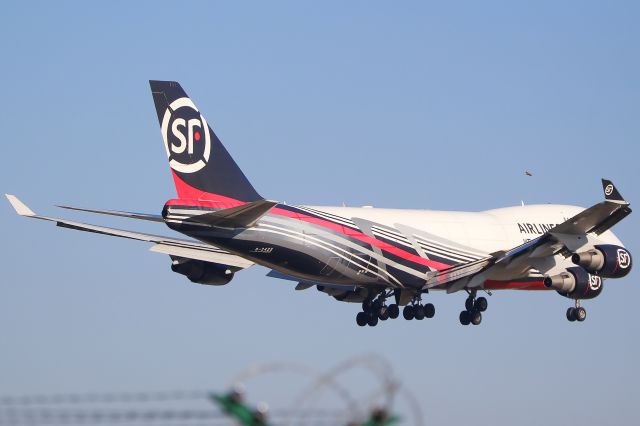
(298, 254)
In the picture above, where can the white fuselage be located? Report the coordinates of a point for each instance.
(487, 231)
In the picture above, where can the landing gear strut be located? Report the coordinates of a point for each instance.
(577, 314)
(473, 309)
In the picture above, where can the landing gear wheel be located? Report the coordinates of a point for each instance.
(468, 304)
(571, 314)
(476, 317)
(373, 320)
(394, 311)
(429, 310)
(408, 313)
(465, 318)
(418, 312)
(362, 319)
(383, 313)
(580, 314)
(481, 304)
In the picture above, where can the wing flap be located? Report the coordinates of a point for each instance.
(200, 254)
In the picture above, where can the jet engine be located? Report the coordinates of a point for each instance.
(575, 283)
(608, 261)
(201, 272)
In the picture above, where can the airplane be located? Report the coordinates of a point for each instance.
(364, 255)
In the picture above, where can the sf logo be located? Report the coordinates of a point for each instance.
(594, 282)
(608, 190)
(624, 259)
(186, 136)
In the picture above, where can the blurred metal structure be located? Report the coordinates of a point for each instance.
(358, 404)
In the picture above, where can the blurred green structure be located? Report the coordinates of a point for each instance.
(380, 417)
(232, 403)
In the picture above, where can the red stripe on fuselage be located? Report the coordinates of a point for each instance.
(190, 196)
(361, 237)
(514, 285)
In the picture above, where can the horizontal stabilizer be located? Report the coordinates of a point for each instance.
(244, 216)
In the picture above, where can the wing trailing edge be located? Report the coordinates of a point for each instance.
(130, 215)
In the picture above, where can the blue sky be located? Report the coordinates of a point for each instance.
(411, 105)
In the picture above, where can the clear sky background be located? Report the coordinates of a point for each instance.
(394, 104)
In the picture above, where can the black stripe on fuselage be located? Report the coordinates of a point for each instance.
(198, 232)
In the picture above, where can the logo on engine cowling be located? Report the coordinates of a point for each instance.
(595, 282)
(186, 136)
(624, 258)
(608, 190)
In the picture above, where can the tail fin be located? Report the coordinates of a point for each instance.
(201, 166)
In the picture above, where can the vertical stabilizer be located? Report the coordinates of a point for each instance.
(201, 166)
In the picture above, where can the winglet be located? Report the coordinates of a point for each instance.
(19, 206)
(611, 192)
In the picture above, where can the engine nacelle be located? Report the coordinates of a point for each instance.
(201, 272)
(608, 261)
(575, 283)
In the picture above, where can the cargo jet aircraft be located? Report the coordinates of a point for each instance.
(365, 255)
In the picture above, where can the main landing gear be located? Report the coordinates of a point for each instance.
(416, 310)
(376, 309)
(473, 309)
(577, 314)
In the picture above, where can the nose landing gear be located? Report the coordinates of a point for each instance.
(473, 309)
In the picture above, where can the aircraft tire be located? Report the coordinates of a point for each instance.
(429, 310)
(394, 311)
(476, 317)
(407, 312)
(418, 312)
(373, 320)
(383, 313)
(580, 314)
(465, 318)
(468, 304)
(571, 314)
(362, 319)
(481, 304)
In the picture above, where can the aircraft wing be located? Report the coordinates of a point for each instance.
(130, 215)
(171, 246)
(568, 235)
